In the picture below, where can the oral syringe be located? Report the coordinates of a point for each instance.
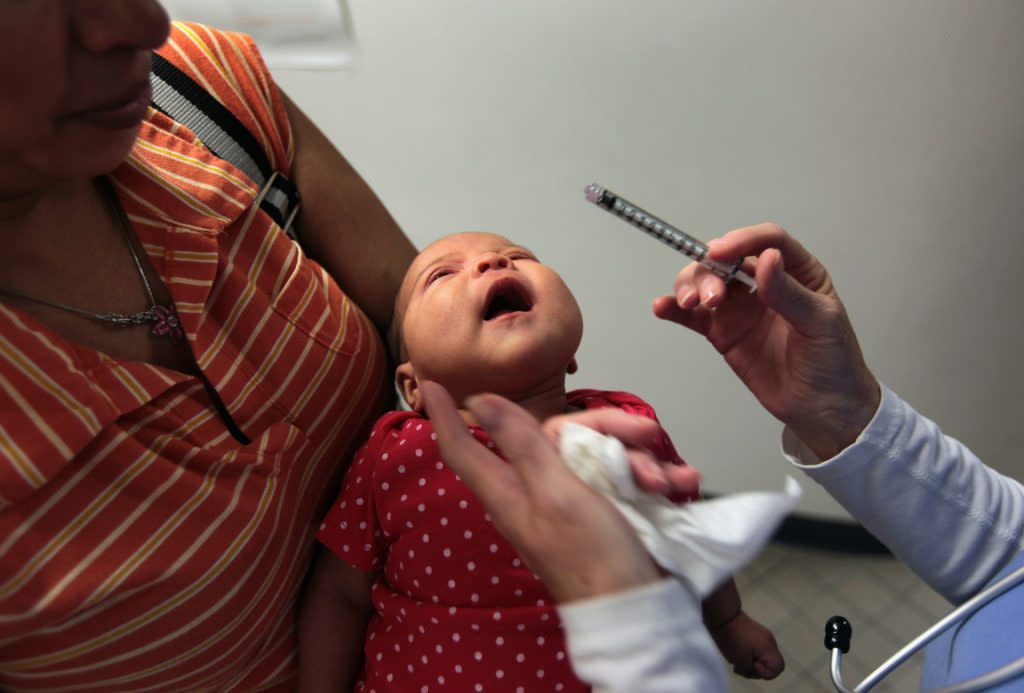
(667, 234)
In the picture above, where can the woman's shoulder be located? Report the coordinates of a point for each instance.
(228, 67)
(203, 51)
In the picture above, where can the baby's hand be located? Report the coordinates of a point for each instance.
(749, 647)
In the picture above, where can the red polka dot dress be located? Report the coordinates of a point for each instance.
(456, 608)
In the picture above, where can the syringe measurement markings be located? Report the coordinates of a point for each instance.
(666, 233)
(669, 236)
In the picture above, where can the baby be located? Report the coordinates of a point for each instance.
(448, 601)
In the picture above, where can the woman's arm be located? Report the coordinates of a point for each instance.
(343, 225)
(646, 640)
(332, 626)
(953, 520)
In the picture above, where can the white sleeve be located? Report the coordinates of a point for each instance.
(648, 640)
(924, 495)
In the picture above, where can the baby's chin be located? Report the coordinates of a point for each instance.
(530, 351)
(521, 367)
(525, 379)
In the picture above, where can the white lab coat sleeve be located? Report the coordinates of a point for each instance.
(930, 500)
(647, 640)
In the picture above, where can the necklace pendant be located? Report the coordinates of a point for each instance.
(167, 324)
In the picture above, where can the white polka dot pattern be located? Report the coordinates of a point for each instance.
(455, 607)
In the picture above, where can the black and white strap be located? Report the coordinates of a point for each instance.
(179, 97)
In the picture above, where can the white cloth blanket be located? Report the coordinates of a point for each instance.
(702, 542)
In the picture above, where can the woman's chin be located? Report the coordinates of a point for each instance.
(82, 156)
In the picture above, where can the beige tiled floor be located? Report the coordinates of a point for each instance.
(795, 590)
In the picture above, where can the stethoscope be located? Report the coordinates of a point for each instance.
(838, 632)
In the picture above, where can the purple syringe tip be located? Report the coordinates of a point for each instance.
(593, 192)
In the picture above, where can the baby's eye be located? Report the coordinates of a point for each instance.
(437, 274)
(521, 256)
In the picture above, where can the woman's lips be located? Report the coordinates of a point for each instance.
(120, 115)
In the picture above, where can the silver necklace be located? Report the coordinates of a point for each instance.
(163, 318)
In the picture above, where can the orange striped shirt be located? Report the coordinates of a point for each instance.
(142, 547)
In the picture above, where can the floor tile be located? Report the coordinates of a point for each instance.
(794, 590)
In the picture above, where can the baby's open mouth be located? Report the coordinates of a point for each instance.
(506, 297)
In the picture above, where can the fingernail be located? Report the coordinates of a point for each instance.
(780, 266)
(484, 411)
(684, 297)
(712, 298)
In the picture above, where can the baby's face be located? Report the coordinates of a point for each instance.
(483, 314)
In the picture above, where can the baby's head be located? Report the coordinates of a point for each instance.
(478, 313)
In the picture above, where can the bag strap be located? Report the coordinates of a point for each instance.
(179, 97)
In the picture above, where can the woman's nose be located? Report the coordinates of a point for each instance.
(103, 25)
(492, 261)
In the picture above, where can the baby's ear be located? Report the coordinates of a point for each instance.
(572, 367)
(405, 377)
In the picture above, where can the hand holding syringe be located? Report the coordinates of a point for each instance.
(666, 233)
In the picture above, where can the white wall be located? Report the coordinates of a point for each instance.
(887, 134)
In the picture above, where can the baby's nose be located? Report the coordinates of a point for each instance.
(492, 261)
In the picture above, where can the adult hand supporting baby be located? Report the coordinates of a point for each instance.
(638, 434)
(791, 342)
(571, 536)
